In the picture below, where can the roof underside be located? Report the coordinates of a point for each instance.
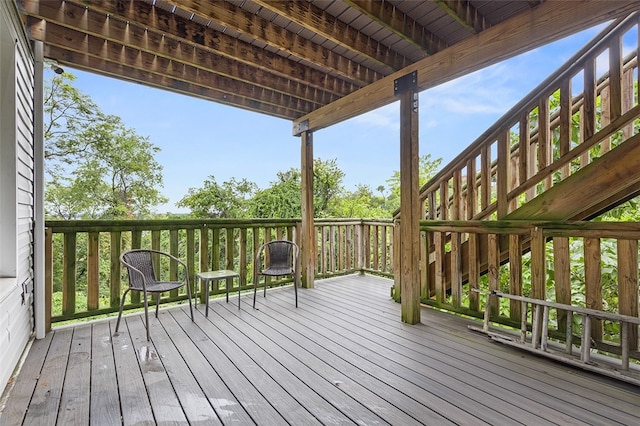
(285, 59)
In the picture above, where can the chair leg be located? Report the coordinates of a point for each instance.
(146, 315)
(255, 290)
(157, 303)
(121, 308)
(295, 290)
(190, 305)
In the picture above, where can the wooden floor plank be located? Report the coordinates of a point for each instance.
(565, 398)
(350, 379)
(308, 381)
(273, 383)
(136, 407)
(356, 365)
(342, 357)
(194, 402)
(450, 399)
(212, 344)
(105, 401)
(74, 404)
(219, 396)
(43, 409)
(25, 384)
(165, 404)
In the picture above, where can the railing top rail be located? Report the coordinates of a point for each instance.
(529, 224)
(60, 226)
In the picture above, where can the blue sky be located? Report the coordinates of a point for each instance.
(199, 139)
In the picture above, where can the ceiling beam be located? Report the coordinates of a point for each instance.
(151, 65)
(464, 12)
(277, 37)
(311, 17)
(158, 40)
(399, 23)
(543, 24)
(103, 67)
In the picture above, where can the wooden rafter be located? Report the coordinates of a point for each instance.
(396, 21)
(464, 12)
(108, 68)
(75, 47)
(311, 17)
(152, 40)
(280, 38)
(218, 43)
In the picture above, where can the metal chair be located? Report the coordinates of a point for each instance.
(140, 265)
(275, 259)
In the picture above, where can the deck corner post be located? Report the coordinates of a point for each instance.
(407, 91)
(307, 240)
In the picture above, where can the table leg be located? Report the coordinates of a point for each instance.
(206, 298)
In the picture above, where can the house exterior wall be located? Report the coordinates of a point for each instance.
(16, 190)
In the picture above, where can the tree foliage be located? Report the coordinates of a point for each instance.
(231, 199)
(96, 167)
(427, 169)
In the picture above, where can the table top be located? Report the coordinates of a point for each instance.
(215, 275)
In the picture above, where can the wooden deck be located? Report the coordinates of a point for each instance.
(342, 357)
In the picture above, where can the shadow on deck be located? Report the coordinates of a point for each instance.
(342, 357)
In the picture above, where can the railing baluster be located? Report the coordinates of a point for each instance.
(93, 270)
(69, 274)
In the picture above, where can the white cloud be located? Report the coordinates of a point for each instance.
(385, 117)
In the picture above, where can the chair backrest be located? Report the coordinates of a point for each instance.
(141, 260)
(279, 254)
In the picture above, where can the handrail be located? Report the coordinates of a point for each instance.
(85, 277)
(513, 162)
(546, 87)
(555, 262)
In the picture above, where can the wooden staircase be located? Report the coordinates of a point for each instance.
(566, 153)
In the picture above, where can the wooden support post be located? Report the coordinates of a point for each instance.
(307, 240)
(406, 90)
(523, 322)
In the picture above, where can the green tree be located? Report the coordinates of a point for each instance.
(283, 198)
(67, 113)
(231, 199)
(95, 166)
(427, 169)
(327, 187)
(362, 203)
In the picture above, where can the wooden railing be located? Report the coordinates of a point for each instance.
(592, 265)
(84, 277)
(577, 115)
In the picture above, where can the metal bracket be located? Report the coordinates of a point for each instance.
(405, 83)
(300, 127)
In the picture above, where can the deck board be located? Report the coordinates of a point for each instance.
(74, 404)
(105, 404)
(342, 357)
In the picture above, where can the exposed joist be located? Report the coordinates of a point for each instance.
(464, 12)
(395, 20)
(151, 65)
(125, 32)
(313, 18)
(253, 26)
(545, 23)
(118, 70)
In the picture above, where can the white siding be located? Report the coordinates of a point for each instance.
(16, 190)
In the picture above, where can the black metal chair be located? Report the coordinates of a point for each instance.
(140, 265)
(275, 259)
